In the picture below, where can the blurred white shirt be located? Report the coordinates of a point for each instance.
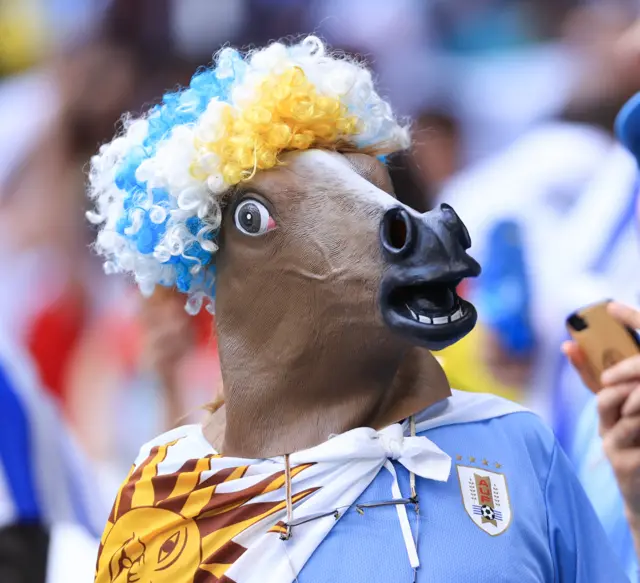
(566, 185)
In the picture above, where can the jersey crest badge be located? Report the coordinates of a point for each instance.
(486, 498)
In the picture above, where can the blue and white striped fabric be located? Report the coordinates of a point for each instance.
(43, 476)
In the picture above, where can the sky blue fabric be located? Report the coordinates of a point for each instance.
(600, 484)
(15, 452)
(554, 535)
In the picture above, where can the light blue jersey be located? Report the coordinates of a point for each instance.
(598, 479)
(552, 533)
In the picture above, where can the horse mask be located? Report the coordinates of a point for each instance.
(262, 185)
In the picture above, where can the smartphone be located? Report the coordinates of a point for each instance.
(604, 341)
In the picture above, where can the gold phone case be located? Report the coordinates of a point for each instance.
(604, 341)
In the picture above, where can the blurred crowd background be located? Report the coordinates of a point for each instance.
(513, 103)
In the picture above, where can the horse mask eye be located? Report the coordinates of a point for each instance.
(252, 218)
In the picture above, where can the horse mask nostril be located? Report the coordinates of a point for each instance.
(396, 233)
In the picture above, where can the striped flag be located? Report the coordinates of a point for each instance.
(43, 475)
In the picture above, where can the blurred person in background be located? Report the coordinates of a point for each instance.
(607, 451)
(56, 115)
(549, 212)
(126, 374)
(150, 366)
(55, 281)
(599, 241)
(53, 116)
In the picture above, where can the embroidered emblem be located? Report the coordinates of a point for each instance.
(485, 498)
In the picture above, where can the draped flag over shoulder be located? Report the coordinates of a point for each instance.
(184, 509)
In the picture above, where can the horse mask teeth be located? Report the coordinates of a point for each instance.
(261, 185)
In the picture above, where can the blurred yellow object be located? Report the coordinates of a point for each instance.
(24, 37)
(466, 371)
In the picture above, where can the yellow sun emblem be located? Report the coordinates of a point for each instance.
(175, 527)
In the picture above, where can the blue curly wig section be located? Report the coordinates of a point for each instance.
(178, 108)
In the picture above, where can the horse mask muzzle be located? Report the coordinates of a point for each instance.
(427, 259)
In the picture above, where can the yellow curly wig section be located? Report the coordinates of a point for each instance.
(286, 114)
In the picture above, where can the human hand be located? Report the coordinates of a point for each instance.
(168, 331)
(619, 411)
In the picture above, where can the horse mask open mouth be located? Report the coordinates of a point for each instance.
(428, 259)
(261, 185)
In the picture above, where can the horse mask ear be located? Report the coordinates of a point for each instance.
(239, 188)
(372, 170)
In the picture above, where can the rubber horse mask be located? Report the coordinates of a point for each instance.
(262, 185)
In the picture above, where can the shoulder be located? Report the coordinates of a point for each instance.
(491, 434)
(176, 446)
(488, 421)
(466, 407)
